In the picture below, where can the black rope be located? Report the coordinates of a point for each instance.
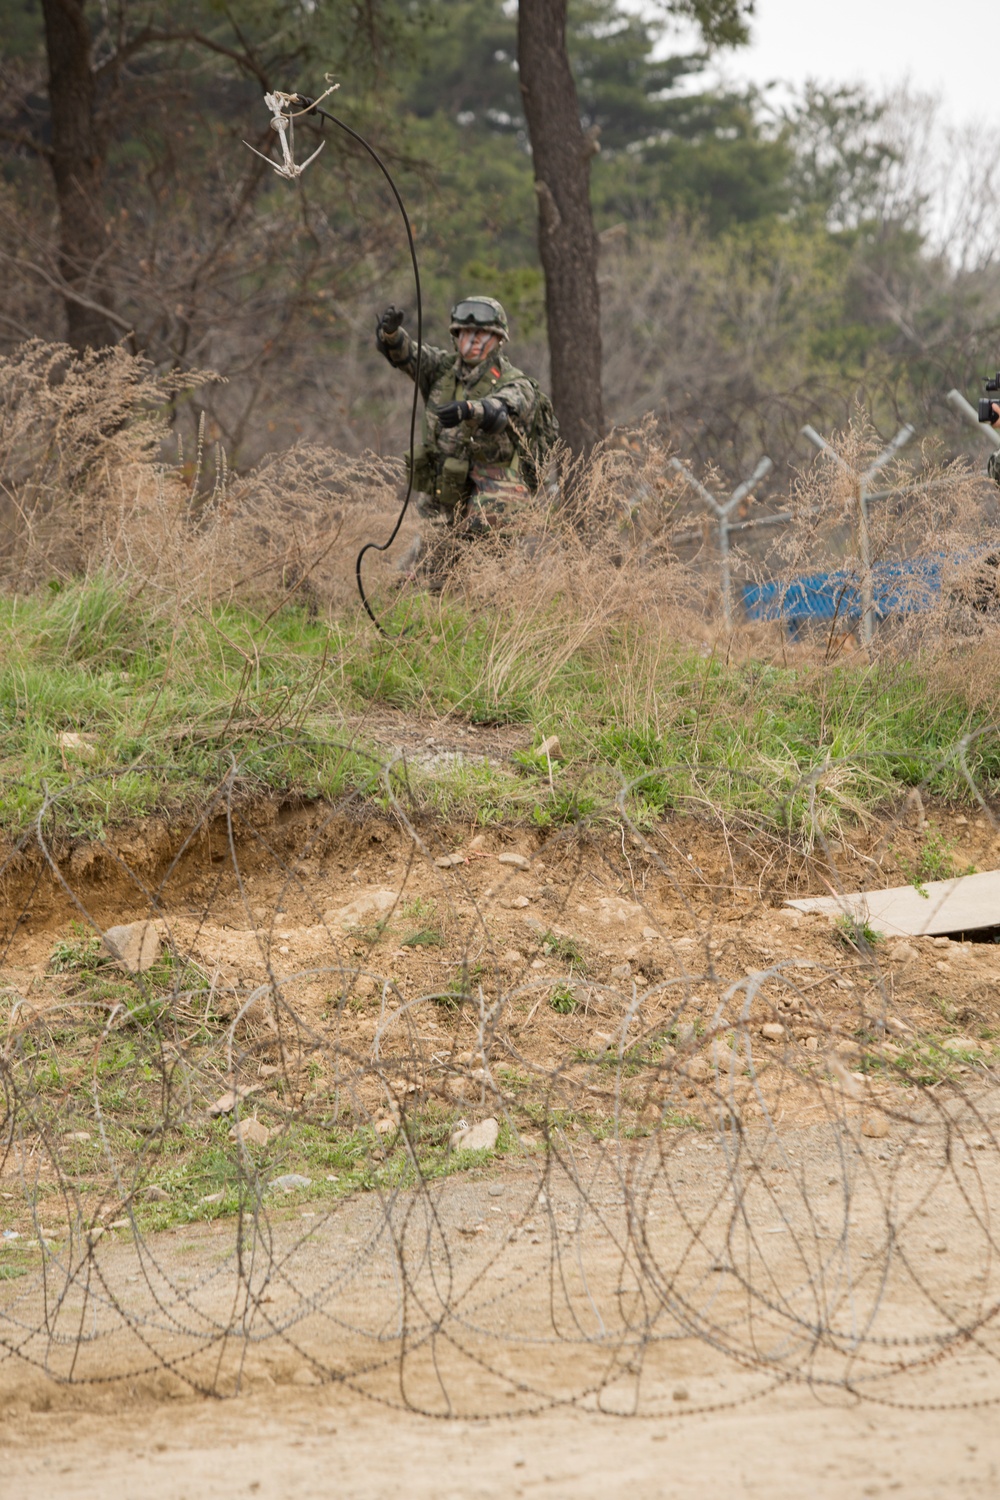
(310, 104)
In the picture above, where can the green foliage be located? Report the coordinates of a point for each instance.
(858, 934)
(564, 1000)
(426, 937)
(81, 954)
(935, 861)
(565, 948)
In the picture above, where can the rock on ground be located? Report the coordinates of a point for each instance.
(250, 1130)
(289, 1181)
(135, 946)
(481, 1137)
(374, 903)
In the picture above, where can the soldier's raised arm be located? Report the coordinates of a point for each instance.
(393, 341)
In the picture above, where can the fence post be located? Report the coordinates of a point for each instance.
(860, 485)
(722, 514)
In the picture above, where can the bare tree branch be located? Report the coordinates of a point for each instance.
(22, 138)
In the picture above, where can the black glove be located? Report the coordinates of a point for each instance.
(454, 412)
(495, 415)
(389, 324)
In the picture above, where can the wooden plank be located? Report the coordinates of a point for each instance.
(966, 904)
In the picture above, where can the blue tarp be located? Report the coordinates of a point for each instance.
(897, 588)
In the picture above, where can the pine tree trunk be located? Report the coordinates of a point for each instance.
(561, 153)
(77, 165)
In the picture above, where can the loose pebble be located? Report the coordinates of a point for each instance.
(289, 1181)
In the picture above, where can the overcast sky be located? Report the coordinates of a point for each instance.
(938, 47)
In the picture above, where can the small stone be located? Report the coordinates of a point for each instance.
(961, 1044)
(681, 1393)
(374, 903)
(622, 971)
(512, 957)
(478, 842)
(615, 909)
(212, 1198)
(518, 903)
(773, 1031)
(496, 1191)
(516, 861)
(386, 1126)
(135, 946)
(252, 1131)
(226, 1102)
(898, 1027)
(961, 822)
(904, 953)
(289, 1181)
(155, 1194)
(698, 1069)
(79, 745)
(940, 1247)
(650, 934)
(941, 942)
(550, 748)
(875, 1126)
(481, 1137)
(77, 1135)
(449, 861)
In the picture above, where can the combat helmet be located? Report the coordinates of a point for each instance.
(480, 312)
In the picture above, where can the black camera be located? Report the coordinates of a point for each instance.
(986, 412)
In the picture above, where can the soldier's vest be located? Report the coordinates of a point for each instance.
(445, 466)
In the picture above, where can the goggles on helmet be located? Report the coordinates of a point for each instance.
(473, 314)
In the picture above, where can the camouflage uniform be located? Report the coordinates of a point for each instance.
(993, 465)
(466, 473)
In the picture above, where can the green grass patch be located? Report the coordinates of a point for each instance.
(563, 1000)
(426, 937)
(857, 934)
(224, 701)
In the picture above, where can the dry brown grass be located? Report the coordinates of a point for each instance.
(87, 487)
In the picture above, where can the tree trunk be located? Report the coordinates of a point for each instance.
(77, 165)
(561, 153)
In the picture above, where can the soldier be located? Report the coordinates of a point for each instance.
(474, 461)
(976, 593)
(993, 462)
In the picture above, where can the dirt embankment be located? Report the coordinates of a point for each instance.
(284, 888)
